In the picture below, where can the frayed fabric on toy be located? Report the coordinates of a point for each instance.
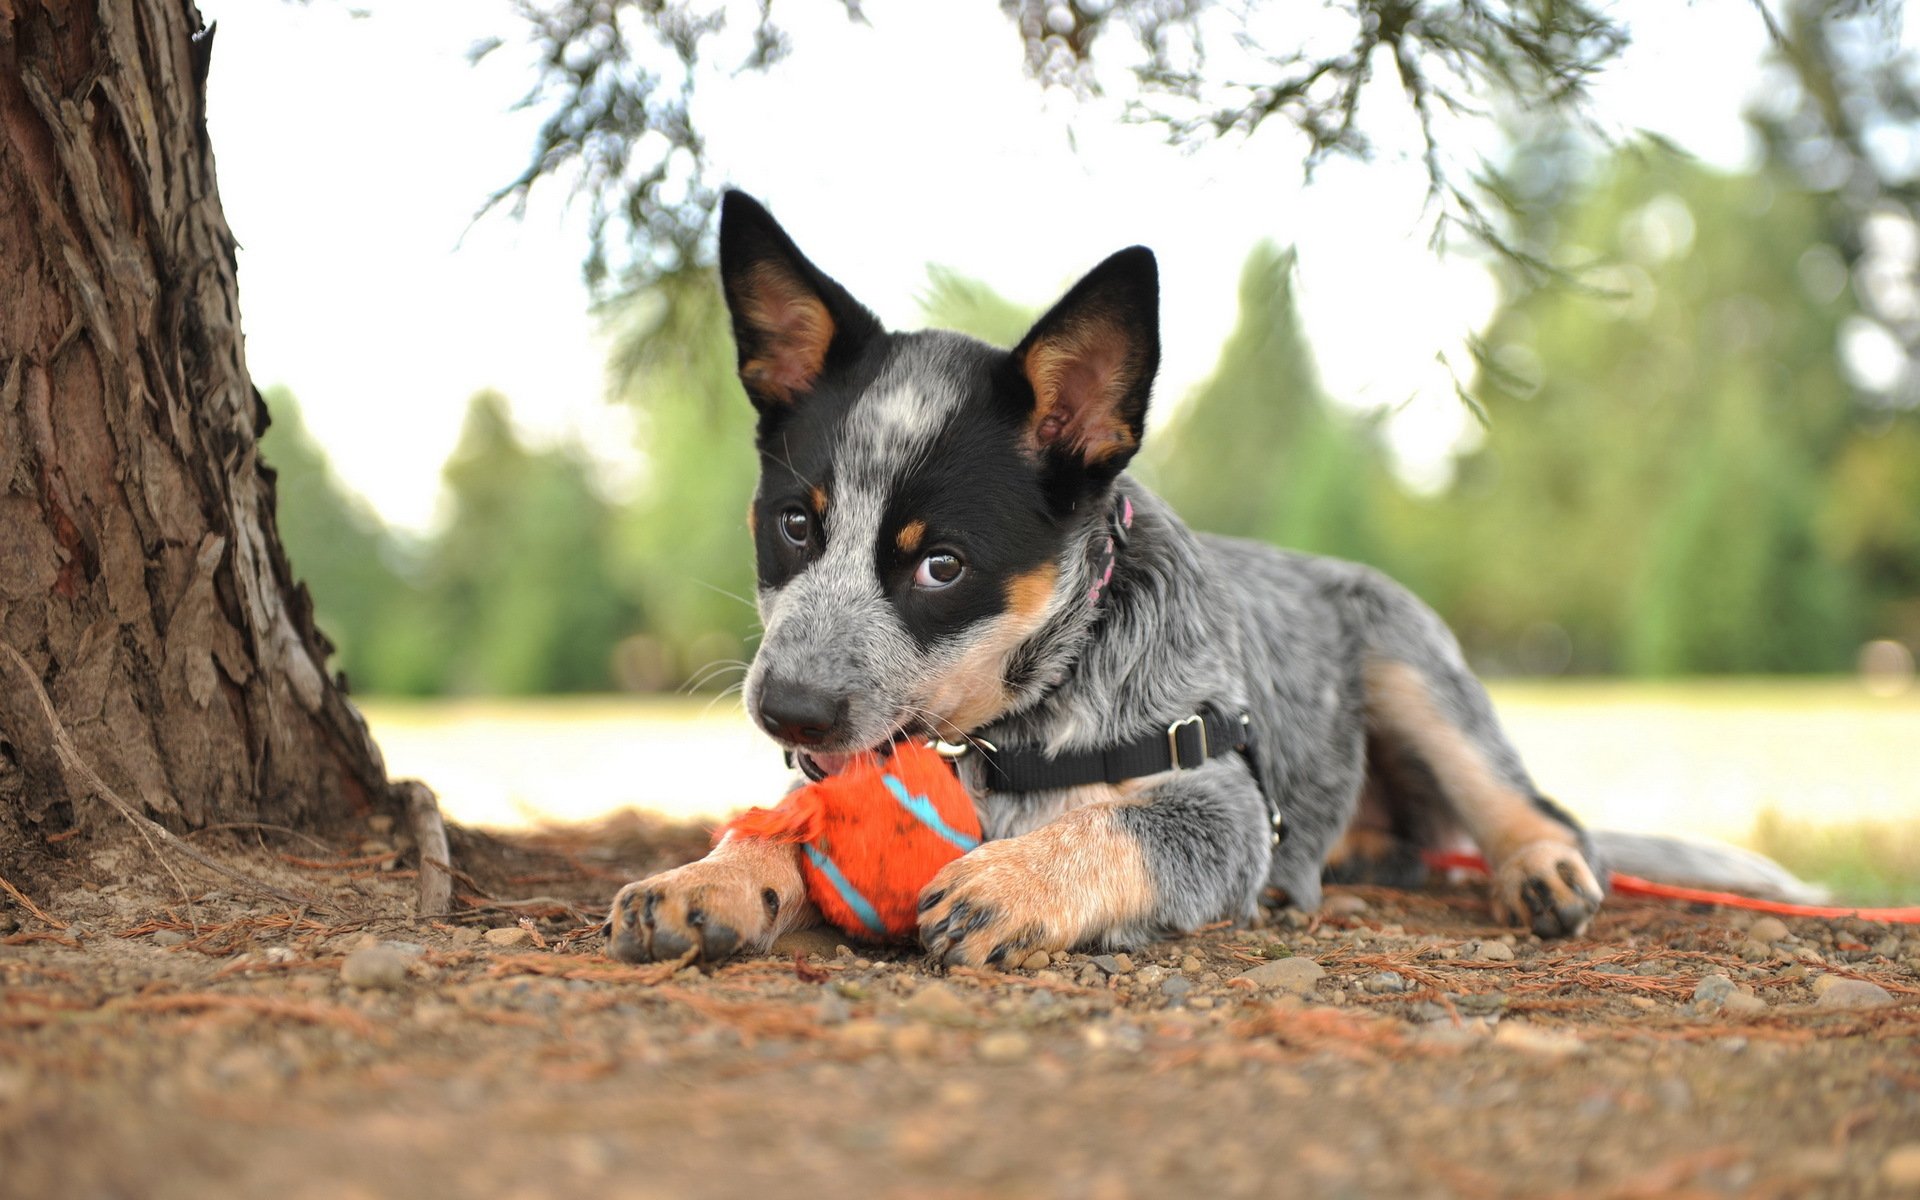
(873, 836)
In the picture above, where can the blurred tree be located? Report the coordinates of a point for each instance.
(684, 549)
(520, 595)
(954, 301)
(1665, 442)
(348, 558)
(1258, 450)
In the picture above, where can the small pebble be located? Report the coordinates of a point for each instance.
(168, 937)
(1037, 960)
(1108, 963)
(1713, 989)
(1151, 973)
(1344, 904)
(1190, 963)
(375, 967)
(1381, 982)
(1542, 1043)
(830, 1009)
(508, 935)
(939, 1002)
(1743, 1004)
(910, 1041)
(1493, 952)
(1768, 930)
(1007, 1046)
(1850, 994)
(1901, 1167)
(1297, 975)
(1176, 987)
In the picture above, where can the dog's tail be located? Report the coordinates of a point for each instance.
(1708, 866)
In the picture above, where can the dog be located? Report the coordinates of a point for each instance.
(1160, 728)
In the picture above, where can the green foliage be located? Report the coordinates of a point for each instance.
(1661, 468)
(683, 547)
(1258, 450)
(953, 301)
(514, 596)
(351, 564)
(522, 598)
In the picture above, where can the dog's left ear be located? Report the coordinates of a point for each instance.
(1091, 362)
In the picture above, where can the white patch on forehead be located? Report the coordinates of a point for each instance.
(895, 422)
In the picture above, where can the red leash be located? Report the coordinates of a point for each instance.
(1633, 885)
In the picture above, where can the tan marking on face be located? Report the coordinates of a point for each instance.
(1028, 594)
(908, 539)
(1499, 817)
(974, 691)
(795, 331)
(819, 495)
(1079, 377)
(1068, 883)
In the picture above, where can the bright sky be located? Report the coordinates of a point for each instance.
(354, 150)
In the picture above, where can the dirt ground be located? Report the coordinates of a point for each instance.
(1392, 1045)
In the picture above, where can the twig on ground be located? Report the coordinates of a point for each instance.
(435, 897)
(30, 906)
(313, 1014)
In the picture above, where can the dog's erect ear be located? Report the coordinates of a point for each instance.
(1091, 362)
(789, 319)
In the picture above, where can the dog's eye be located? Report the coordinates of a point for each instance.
(938, 570)
(796, 526)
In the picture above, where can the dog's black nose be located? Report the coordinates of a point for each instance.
(795, 712)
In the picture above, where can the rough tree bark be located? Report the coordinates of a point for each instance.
(143, 588)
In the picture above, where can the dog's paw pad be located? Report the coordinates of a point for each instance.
(977, 913)
(1547, 887)
(699, 908)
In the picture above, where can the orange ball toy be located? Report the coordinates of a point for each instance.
(873, 836)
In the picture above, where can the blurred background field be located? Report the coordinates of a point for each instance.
(1615, 367)
(1822, 775)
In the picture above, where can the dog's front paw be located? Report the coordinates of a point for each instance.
(711, 908)
(1547, 887)
(991, 906)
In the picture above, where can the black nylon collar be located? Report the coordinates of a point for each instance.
(1183, 745)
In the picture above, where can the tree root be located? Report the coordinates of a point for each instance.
(430, 836)
(29, 701)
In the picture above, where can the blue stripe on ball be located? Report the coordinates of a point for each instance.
(922, 809)
(848, 893)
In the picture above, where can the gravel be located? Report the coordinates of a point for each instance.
(376, 967)
(1833, 991)
(1298, 975)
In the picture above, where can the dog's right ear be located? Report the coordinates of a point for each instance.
(790, 321)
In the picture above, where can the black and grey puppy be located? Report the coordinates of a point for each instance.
(947, 546)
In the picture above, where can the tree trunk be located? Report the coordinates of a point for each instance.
(143, 589)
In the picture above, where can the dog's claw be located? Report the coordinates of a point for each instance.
(1547, 887)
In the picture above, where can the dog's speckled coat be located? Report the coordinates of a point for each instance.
(890, 460)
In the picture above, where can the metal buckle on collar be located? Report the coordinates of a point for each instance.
(1173, 743)
(954, 751)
